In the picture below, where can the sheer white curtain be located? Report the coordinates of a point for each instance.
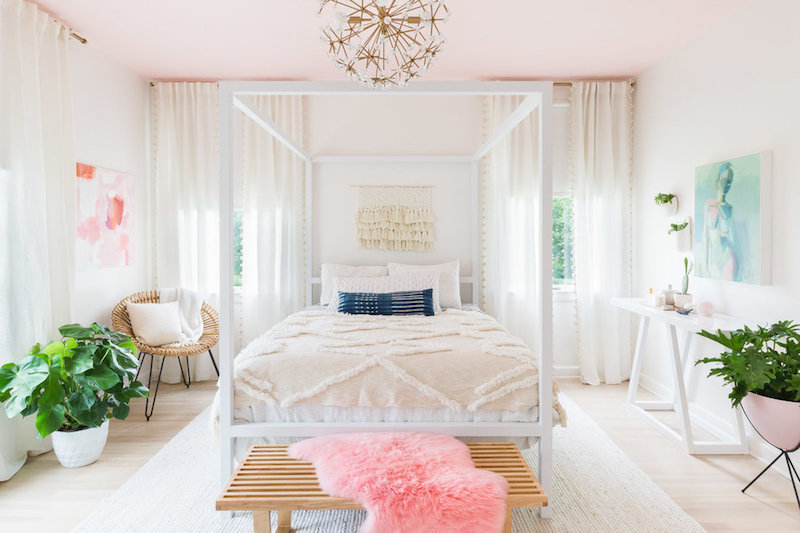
(37, 191)
(185, 144)
(601, 155)
(510, 185)
(273, 228)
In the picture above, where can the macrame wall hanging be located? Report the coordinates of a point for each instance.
(395, 218)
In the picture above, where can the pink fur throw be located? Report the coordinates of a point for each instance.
(408, 482)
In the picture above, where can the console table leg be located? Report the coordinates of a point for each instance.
(687, 348)
(636, 369)
(680, 387)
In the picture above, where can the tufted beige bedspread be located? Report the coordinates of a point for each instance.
(461, 360)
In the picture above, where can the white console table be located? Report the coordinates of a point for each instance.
(691, 324)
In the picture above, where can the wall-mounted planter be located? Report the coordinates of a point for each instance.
(680, 233)
(667, 202)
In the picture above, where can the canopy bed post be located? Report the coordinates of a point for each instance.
(476, 230)
(308, 230)
(546, 294)
(226, 102)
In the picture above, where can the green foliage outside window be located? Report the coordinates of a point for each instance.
(563, 241)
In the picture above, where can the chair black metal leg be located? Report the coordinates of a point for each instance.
(188, 372)
(139, 369)
(213, 362)
(183, 377)
(155, 394)
(762, 472)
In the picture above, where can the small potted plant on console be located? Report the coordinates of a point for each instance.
(683, 298)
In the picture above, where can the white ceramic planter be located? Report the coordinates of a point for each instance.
(681, 300)
(670, 208)
(777, 421)
(80, 448)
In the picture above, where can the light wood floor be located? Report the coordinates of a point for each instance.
(43, 496)
(706, 487)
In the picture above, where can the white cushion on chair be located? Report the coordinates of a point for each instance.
(155, 324)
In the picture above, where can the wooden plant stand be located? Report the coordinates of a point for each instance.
(269, 480)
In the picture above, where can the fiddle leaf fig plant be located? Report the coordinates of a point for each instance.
(75, 383)
(765, 360)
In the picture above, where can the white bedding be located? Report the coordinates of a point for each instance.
(474, 372)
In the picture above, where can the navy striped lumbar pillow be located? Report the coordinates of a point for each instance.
(390, 303)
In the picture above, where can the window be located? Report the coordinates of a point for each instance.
(563, 243)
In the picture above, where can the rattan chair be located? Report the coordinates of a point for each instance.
(121, 322)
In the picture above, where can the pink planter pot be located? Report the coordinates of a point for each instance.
(777, 421)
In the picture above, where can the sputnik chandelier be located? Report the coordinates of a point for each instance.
(384, 43)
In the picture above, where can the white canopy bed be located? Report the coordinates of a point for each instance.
(316, 326)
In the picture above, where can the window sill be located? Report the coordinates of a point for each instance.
(563, 293)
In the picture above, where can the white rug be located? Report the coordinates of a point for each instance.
(597, 489)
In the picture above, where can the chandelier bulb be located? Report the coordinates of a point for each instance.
(339, 20)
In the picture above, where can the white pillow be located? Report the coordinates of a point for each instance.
(156, 324)
(331, 271)
(410, 281)
(449, 280)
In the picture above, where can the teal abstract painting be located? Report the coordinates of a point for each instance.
(732, 229)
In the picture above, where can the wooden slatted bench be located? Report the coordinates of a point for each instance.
(269, 480)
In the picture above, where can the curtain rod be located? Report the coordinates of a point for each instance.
(55, 19)
(392, 186)
(569, 83)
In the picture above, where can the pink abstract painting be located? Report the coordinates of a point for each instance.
(105, 208)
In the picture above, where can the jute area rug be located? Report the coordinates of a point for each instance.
(597, 489)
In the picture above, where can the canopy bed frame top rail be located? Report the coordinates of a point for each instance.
(236, 95)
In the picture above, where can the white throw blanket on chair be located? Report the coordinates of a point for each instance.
(190, 304)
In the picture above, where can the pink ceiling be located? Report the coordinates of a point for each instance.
(487, 39)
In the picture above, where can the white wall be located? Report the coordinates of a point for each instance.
(414, 125)
(732, 91)
(110, 105)
(392, 125)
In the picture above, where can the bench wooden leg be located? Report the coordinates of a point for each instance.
(507, 525)
(284, 522)
(261, 522)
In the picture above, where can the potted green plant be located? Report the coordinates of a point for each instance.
(763, 366)
(677, 227)
(668, 201)
(74, 386)
(664, 198)
(683, 298)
